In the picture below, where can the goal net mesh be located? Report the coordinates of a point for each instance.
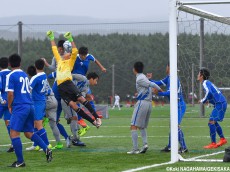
(216, 57)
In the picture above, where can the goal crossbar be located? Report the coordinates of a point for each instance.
(204, 2)
(204, 14)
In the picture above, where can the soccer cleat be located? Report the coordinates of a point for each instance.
(133, 152)
(58, 146)
(83, 131)
(82, 123)
(184, 150)
(166, 149)
(77, 142)
(49, 156)
(11, 149)
(98, 122)
(49, 147)
(212, 145)
(222, 142)
(144, 149)
(17, 164)
(68, 143)
(36, 148)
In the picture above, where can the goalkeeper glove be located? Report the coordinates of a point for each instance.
(68, 36)
(50, 35)
(45, 121)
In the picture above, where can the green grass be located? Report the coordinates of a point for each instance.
(107, 151)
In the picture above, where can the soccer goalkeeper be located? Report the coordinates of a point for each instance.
(66, 88)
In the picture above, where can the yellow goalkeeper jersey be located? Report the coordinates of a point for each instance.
(64, 67)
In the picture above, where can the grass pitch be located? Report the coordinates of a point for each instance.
(106, 147)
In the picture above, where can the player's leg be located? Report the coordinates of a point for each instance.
(28, 131)
(59, 110)
(135, 122)
(4, 110)
(221, 113)
(51, 109)
(146, 111)
(72, 119)
(181, 139)
(40, 107)
(212, 129)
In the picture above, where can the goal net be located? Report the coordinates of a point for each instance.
(203, 40)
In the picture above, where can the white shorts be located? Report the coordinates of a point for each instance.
(141, 113)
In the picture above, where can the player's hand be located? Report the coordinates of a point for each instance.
(103, 69)
(46, 63)
(199, 101)
(68, 36)
(149, 75)
(3, 102)
(155, 91)
(50, 35)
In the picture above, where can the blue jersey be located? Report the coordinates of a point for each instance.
(39, 86)
(17, 81)
(166, 82)
(3, 74)
(212, 93)
(82, 66)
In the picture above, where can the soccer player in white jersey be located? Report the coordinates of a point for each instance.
(21, 107)
(142, 109)
(117, 102)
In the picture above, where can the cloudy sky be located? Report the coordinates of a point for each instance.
(151, 10)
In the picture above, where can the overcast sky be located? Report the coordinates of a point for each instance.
(101, 9)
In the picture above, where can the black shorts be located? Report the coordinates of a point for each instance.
(68, 92)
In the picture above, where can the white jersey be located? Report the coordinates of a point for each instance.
(117, 98)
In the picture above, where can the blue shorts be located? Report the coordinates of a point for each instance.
(22, 118)
(40, 110)
(5, 111)
(181, 111)
(218, 112)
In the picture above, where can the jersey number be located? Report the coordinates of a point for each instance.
(25, 85)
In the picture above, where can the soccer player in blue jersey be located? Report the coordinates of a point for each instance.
(181, 110)
(21, 107)
(81, 66)
(51, 108)
(39, 85)
(4, 111)
(214, 96)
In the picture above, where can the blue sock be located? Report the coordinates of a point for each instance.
(62, 130)
(212, 129)
(219, 130)
(169, 144)
(17, 144)
(42, 133)
(79, 117)
(35, 138)
(35, 131)
(93, 105)
(181, 139)
(8, 129)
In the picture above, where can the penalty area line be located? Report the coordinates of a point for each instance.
(148, 166)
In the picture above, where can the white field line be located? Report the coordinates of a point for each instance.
(163, 126)
(90, 137)
(147, 167)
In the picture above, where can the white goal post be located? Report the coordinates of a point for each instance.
(174, 7)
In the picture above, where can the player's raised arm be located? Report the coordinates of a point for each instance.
(79, 77)
(50, 35)
(100, 65)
